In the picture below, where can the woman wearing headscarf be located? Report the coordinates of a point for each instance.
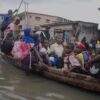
(28, 36)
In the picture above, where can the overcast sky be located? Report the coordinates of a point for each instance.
(84, 10)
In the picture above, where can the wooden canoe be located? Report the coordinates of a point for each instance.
(75, 79)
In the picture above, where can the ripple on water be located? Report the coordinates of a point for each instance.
(12, 95)
(10, 88)
(3, 98)
(15, 82)
(2, 78)
(42, 98)
(59, 96)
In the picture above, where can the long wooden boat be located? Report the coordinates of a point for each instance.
(75, 79)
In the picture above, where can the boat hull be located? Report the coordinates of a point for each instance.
(75, 79)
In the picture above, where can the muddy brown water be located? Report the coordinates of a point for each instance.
(15, 85)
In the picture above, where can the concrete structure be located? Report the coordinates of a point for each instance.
(98, 35)
(35, 20)
(78, 28)
(1, 17)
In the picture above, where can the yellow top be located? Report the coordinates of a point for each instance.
(81, 58)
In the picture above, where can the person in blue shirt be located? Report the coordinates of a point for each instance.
(8, 18)
(28, 36)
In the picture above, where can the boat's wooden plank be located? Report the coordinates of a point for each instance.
(75, 82)
(75, 79)
(74, 75)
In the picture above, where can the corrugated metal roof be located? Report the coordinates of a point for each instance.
(2, 14)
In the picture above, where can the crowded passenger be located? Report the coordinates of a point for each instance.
(57, 50)
(93, 42)
(12, 30)
(20, 32)
(93, 66)
(73, 39)
(8, 18)
(71, 63)
(66, 54)
(45, 51)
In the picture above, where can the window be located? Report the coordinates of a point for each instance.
(37, 18)
(54, 21)
(59, 19)
(47, 21)
(2, 17)
(21, 18)
(37, 28)
(30, 16)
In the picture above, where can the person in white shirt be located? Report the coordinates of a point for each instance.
(57, 50)
(57, 47)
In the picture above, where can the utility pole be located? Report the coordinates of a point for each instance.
(19, 6)
(26, 13)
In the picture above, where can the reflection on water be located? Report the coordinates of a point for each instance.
(15, 85)
(55, 95)
(11, 88)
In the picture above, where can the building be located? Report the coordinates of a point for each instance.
(79, 28)
(35, 20)
(1, 17)
(87, 29)
(98, 37)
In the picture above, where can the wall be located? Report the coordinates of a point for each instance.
(67, 28)
(88, 30)
(37, 20)
(1, 18)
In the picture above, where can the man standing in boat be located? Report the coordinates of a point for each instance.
(57, 48)
(8, 18)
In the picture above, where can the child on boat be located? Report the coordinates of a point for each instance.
(70, 61)
(93, 66)
(45, 51)
(83, 55)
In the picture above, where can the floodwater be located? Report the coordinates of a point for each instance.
(15, 85)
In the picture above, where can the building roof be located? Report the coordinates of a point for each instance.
(2, 14)
(69, 23)
(86, 22)
(22, 13)
(59, 24)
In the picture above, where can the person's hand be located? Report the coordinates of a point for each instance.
(32, 45)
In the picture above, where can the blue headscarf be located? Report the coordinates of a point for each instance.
(27, 38)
